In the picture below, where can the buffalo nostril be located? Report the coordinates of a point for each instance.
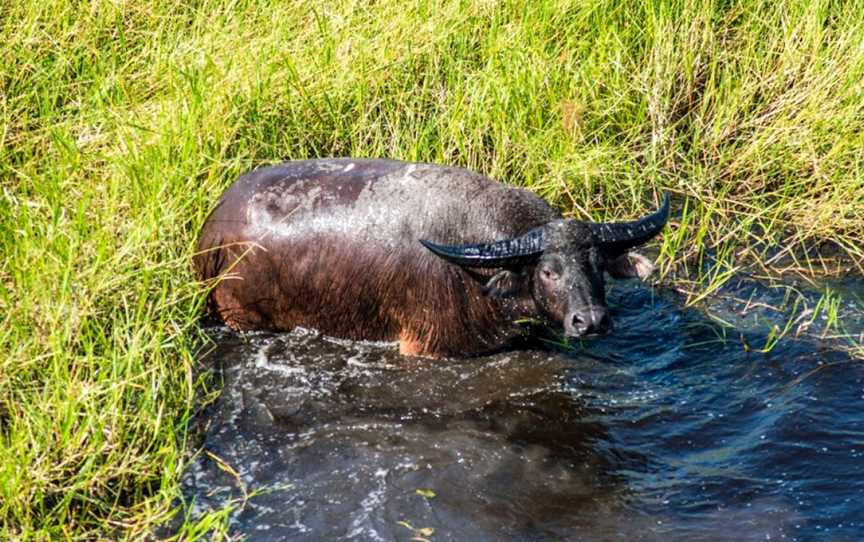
(578, 323)
(588, 322)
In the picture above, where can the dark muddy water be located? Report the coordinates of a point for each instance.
(668, 429)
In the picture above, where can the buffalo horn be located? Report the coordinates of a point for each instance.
(506, 253)
(618, 237)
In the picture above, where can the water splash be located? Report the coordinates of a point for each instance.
(665, 430)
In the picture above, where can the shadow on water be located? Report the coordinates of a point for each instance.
(664, 430)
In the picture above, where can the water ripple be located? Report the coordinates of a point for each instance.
(668, 429)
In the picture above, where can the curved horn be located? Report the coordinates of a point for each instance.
(506, 253)
(618, 237)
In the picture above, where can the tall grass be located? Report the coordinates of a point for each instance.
(121, 122)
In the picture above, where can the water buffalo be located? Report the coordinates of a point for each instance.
(443, 260)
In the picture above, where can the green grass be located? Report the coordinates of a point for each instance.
(121, 123)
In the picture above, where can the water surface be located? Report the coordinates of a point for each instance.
(674, 427)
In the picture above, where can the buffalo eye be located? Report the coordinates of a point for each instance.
(548, 274)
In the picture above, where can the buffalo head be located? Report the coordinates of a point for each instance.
(561, 265)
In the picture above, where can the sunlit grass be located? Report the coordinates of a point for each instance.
(121, 123)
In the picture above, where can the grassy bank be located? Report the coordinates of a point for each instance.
(121, 122)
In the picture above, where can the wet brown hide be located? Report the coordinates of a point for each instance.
(429, 306)
(324, 246)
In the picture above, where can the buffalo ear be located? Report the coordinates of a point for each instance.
(630, 265)
(504, 283)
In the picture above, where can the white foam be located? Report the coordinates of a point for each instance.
(361, 523)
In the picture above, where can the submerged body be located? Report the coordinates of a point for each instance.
(335, 245)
